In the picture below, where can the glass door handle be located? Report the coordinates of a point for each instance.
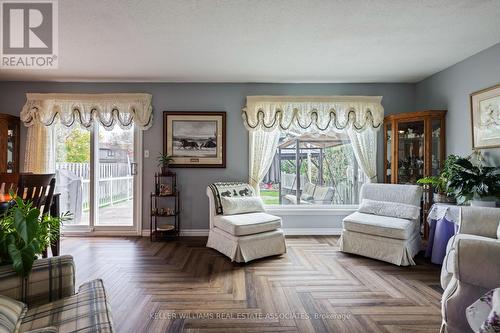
(133, 168)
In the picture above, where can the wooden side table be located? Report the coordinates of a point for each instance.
(165, 215)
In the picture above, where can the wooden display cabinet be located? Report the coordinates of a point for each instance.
(9, 143)
(414, 147)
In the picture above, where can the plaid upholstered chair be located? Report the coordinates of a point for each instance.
(46, 300)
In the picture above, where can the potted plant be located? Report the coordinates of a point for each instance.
(25, 234)
(442, 192)
(474, 182)
(164, 161)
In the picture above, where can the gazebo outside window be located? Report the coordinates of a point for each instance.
(313, 170)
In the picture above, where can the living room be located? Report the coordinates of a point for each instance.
(256, 166)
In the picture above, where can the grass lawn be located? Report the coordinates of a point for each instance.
(270, 197)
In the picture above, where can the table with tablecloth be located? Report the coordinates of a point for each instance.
(443, 222)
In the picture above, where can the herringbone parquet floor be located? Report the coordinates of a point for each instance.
(183, 286)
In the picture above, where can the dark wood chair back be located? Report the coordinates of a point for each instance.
(8, 182)
(39, 189)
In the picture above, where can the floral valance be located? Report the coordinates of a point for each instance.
(313, 113)
(85, 109)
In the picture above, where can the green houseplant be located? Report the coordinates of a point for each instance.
(475, 182)
(164, 161)
(442, 192)
(25, 234)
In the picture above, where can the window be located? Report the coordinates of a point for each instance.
(310, 169)
(312, 150)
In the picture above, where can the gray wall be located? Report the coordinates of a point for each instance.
(450, 89)
(207, 96)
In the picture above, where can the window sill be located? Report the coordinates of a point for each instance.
(311, 210)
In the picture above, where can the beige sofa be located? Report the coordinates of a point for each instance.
(471, 266)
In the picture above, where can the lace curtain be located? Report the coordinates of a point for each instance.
(42, 111)
(364, 146)
(40, 154)
(266, 117)
(262, 147)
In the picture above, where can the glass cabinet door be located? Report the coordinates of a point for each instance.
(11, 147)
(9, 144)
(388, 153)
(411, 145)
(436, 149)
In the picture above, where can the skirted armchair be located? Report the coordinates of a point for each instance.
(387, 224)
(471, 266)
(246, 232)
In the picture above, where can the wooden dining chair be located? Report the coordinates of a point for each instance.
(39, 189)
(8, 182)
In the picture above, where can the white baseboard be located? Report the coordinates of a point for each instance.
(194, 232)
(185, 232)
(312, 231)
(89, 232)
(288, 231)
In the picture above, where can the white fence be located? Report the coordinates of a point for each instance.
(115, 182)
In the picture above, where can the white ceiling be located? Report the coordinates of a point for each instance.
(266, 41)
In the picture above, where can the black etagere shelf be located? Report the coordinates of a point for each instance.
(165, 208)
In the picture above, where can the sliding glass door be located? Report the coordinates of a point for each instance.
(115, 179)
(73, 150)
(96, 172)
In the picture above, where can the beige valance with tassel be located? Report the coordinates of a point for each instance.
(84, 110)
(314, 113)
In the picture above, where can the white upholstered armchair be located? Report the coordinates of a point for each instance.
(242, 230)
(387, 224)
(471, 266)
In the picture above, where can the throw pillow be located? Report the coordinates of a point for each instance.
(228, 189)
(241, 205)
(306, 197)
(392, 209)
(11, 312)
(482, 315)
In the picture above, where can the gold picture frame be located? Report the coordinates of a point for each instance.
(485, 118)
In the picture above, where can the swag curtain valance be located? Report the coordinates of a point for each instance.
(313, 113)
(70, 110)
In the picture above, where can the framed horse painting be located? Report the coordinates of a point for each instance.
(195, 139)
